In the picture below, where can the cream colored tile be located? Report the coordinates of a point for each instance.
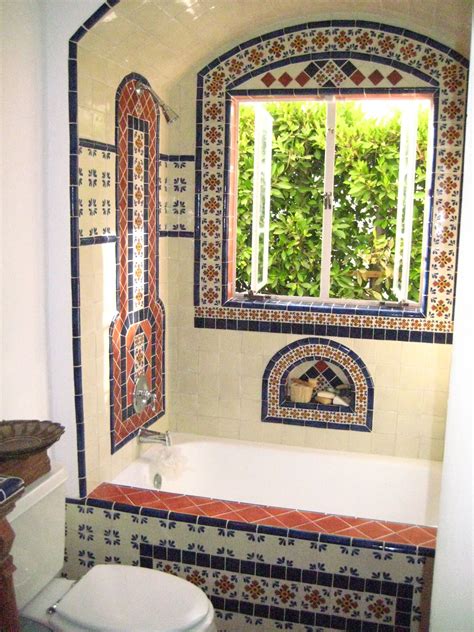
(435, 403)
(251, 344)
(413, 377)
(432, 449)
(250, 387)
(271, 433)
(208, 385)
(229, 342)
(387, 375)
(407, 446)
(385, 422)
(292, 435)
(229, 385)
(252, 366)
(315, 438)
(207, 406)
(251, 431)
(250, 410)
(337, 439)
(386, 399)
(383, 443)
(433, 427)
(228, 428)
(409, 424)
(410, 401)
(360, 442)
(186, 405)
(229, 407)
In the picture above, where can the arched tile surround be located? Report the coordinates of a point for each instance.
(277, 409)
(137, 332)
(316, 58)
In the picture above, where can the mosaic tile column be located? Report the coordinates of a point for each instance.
(137, 332)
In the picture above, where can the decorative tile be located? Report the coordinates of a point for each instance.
(177, 191)
(321, 584)
(137, 332)
(276, 406)
(96, 201)
(337, 57)
(228, 514)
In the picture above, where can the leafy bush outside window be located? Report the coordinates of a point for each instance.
(368, 143)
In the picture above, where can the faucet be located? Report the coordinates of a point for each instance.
(152, 436)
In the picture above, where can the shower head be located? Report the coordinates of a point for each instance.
(168, 112)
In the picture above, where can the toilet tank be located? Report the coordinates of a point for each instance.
(38, 521)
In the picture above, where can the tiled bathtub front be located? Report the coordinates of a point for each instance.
(259, 576)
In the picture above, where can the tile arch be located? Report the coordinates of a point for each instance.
(276, 408)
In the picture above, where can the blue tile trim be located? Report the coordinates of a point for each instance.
(177, 157)
(92, 241)
(236, 324)
(10, 488)
(187, 234)
(75, 281)
(95, 144)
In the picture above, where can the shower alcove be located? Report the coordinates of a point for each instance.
(327, 365)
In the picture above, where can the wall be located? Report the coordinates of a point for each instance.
(98, 81)
(24, 394)
(217, 389)
(452, 606)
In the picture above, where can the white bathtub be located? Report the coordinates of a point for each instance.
(344, 483)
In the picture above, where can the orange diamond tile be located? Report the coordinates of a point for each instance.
(347, 526)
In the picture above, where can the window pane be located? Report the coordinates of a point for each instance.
(296, 197)
(365, 205)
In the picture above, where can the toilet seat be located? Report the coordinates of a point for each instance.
(113, 598)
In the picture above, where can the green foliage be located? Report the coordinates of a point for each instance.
(365, 186)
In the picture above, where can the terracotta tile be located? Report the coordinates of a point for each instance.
(331, 524)
(397, 533)
(416, 535)
(253, 513)
(375, 530)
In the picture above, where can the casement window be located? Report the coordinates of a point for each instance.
(333, 197)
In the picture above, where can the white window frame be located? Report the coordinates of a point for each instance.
(406, 188)
(262, 184)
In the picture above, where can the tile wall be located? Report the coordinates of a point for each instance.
(98, 80)
(214, 376)
(261, 577)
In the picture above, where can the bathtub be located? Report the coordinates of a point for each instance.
(341, 483)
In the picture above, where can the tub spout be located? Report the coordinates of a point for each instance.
(152, 436)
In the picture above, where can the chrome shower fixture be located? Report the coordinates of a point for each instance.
(168, 112)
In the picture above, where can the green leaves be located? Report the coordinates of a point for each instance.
(365, 192)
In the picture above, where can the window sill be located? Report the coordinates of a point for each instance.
(295, 304)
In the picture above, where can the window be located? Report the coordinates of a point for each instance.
(332, 197)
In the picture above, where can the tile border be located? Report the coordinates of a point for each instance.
(432, 66)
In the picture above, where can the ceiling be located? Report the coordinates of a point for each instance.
(170, 38)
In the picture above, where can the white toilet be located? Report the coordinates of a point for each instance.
(108, 598)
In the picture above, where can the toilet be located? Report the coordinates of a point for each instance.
(108, 598)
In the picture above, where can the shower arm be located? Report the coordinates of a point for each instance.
(168, 112)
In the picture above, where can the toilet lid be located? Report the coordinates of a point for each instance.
(113, 598)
